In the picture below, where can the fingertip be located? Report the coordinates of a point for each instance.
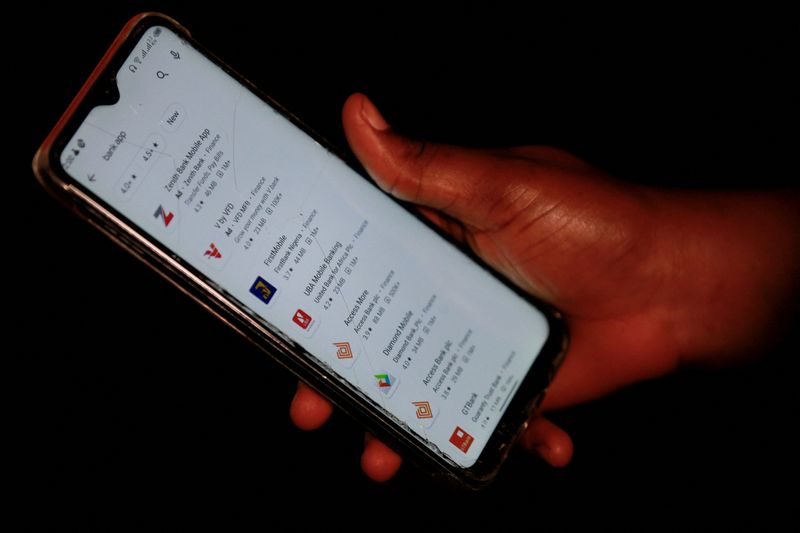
(309, 410)
(372, 116)
(351, 110)
(363, 127)
(557, 454)
(379, 462)
(549, 442)
(359, 107)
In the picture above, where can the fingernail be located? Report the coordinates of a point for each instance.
(372, 115)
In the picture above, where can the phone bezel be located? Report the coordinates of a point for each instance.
(98, 90)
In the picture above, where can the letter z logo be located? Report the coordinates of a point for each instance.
(164, 215)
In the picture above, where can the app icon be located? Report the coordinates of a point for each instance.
(165, 216)
(263, 290)
(386, 383)
(343, 350)
(423, 410)
(212, 251)
(461, 439)
(302, 319)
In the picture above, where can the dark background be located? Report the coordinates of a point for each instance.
(115, 420)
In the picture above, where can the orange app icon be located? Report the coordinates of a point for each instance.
(423, 410)
(461, 439)
(343, 350)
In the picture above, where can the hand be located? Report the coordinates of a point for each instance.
(648, 279)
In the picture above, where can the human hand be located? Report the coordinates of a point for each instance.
(648, 279)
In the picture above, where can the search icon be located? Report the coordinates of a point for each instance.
(161, 74)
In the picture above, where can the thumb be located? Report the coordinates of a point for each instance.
(473, 186)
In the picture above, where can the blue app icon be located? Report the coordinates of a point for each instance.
(263, 290)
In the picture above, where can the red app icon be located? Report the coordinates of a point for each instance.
(302, 319)
(213, 251)
(461, 439)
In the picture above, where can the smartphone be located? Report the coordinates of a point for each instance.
(189, 167)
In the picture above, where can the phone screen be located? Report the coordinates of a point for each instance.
(307, 245)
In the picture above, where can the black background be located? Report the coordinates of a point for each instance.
(116, 419)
